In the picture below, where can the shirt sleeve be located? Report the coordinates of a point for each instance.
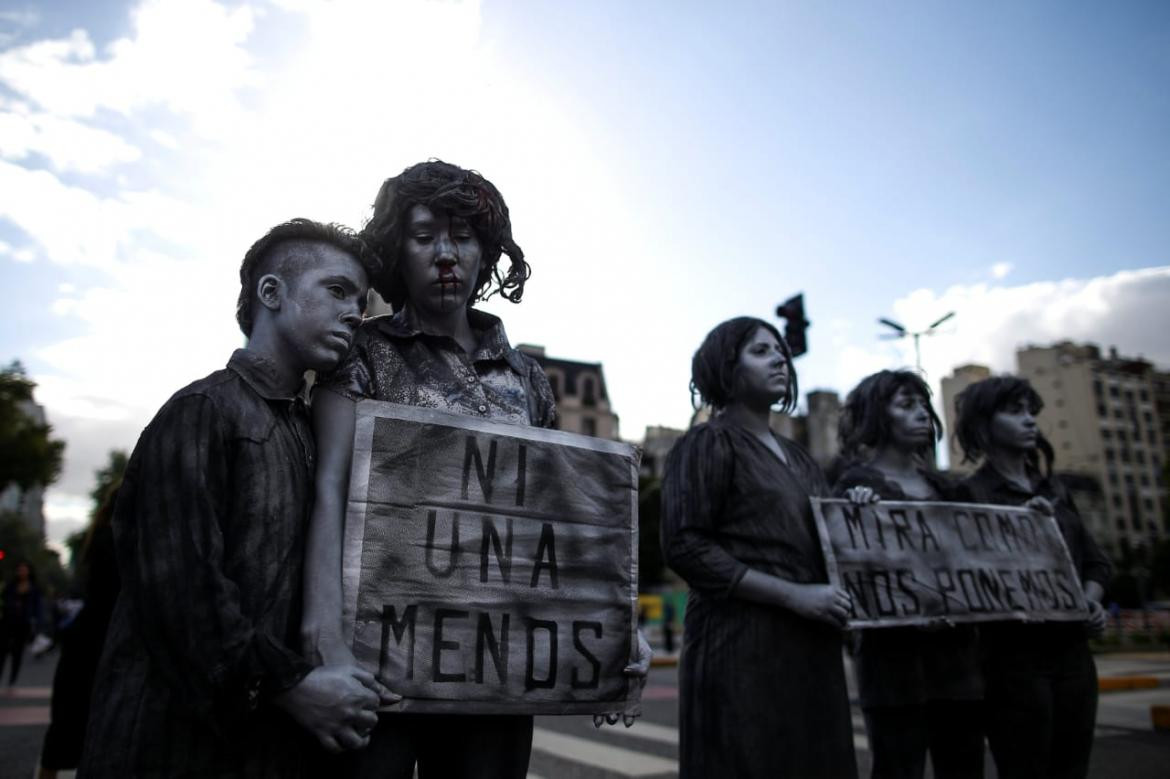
(542, 404)
(169, 526)
(695, 488)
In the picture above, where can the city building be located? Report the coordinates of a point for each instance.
(816, 430)
(1100, 415)
(656, 445)
(579, 387)
(961, 378)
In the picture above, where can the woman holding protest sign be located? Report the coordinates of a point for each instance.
(762, 684)
(919, 687)
(1041, 683)
(440, 231)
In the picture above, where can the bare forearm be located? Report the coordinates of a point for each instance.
(321, 628)
(769, 590)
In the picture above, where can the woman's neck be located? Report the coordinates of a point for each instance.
(1012, 464)
(754, 419)
(896, 461)
(453, 323)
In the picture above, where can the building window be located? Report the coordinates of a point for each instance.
(1102, 411)
(1144, 395)
(1149, 506)
(1106, 433)
(1121, 436)
(588, 425)
(1097, 388)
(1114, 392)
(1117, 501)
(1148, 417)
(1145, 480)
(588, 391)
(1140, 456)
(1113, 477)
(1118, 414)
(1120, 523)
(1108, 455)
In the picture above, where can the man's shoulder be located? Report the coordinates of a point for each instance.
(220, 398)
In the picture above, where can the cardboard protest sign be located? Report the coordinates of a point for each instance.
(490, 567)
(907, 563)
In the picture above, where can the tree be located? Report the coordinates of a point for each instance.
(105, 479)
(28, 455)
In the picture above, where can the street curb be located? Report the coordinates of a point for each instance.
(663, 662)
(1120, 683)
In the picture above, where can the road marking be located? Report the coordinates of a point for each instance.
(26, 693)
(24, 715)
(642, 729)
(598, 754)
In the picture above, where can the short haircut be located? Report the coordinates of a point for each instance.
(865, 421)
(449, 189)
(713, 366)
(978, 403)
(263, 258)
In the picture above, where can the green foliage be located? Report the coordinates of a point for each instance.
(23, 544)
(28, 455)
(651, 566)
(105, 479)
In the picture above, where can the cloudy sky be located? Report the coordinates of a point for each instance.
(667, 164)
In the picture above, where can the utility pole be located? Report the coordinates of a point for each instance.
(902, 332)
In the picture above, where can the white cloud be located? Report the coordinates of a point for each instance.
(1001, 269)
(69, 145)
(184, 55)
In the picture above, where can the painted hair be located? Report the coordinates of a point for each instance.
(978, 403)
(450, 189)
(263, 258)
(865, 421)
(713, 366)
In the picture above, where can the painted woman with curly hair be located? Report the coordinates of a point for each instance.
(441, 232)
(920, 687)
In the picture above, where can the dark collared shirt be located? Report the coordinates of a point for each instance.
(987, 485)
(395, 361)
(210, 530)
(1010, 640)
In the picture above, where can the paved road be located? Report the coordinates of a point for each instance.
(571, 748)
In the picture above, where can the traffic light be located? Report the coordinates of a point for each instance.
(792, 311)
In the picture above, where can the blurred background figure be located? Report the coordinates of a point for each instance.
(21, 618)
(81, 644)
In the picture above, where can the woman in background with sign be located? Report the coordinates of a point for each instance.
(919, 687)
(1041, 683)
(440, 231)
(762, 683)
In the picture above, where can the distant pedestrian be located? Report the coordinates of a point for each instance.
(20, 619)
(668, 617)
(762, 682)
(1041, 682)
(920, 687)
(81, 646)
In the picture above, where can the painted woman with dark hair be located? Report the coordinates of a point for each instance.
(440, 231)
(919, 687)
(1040, 681)
(762, 683)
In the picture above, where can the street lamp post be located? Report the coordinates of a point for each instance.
(902, 332)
